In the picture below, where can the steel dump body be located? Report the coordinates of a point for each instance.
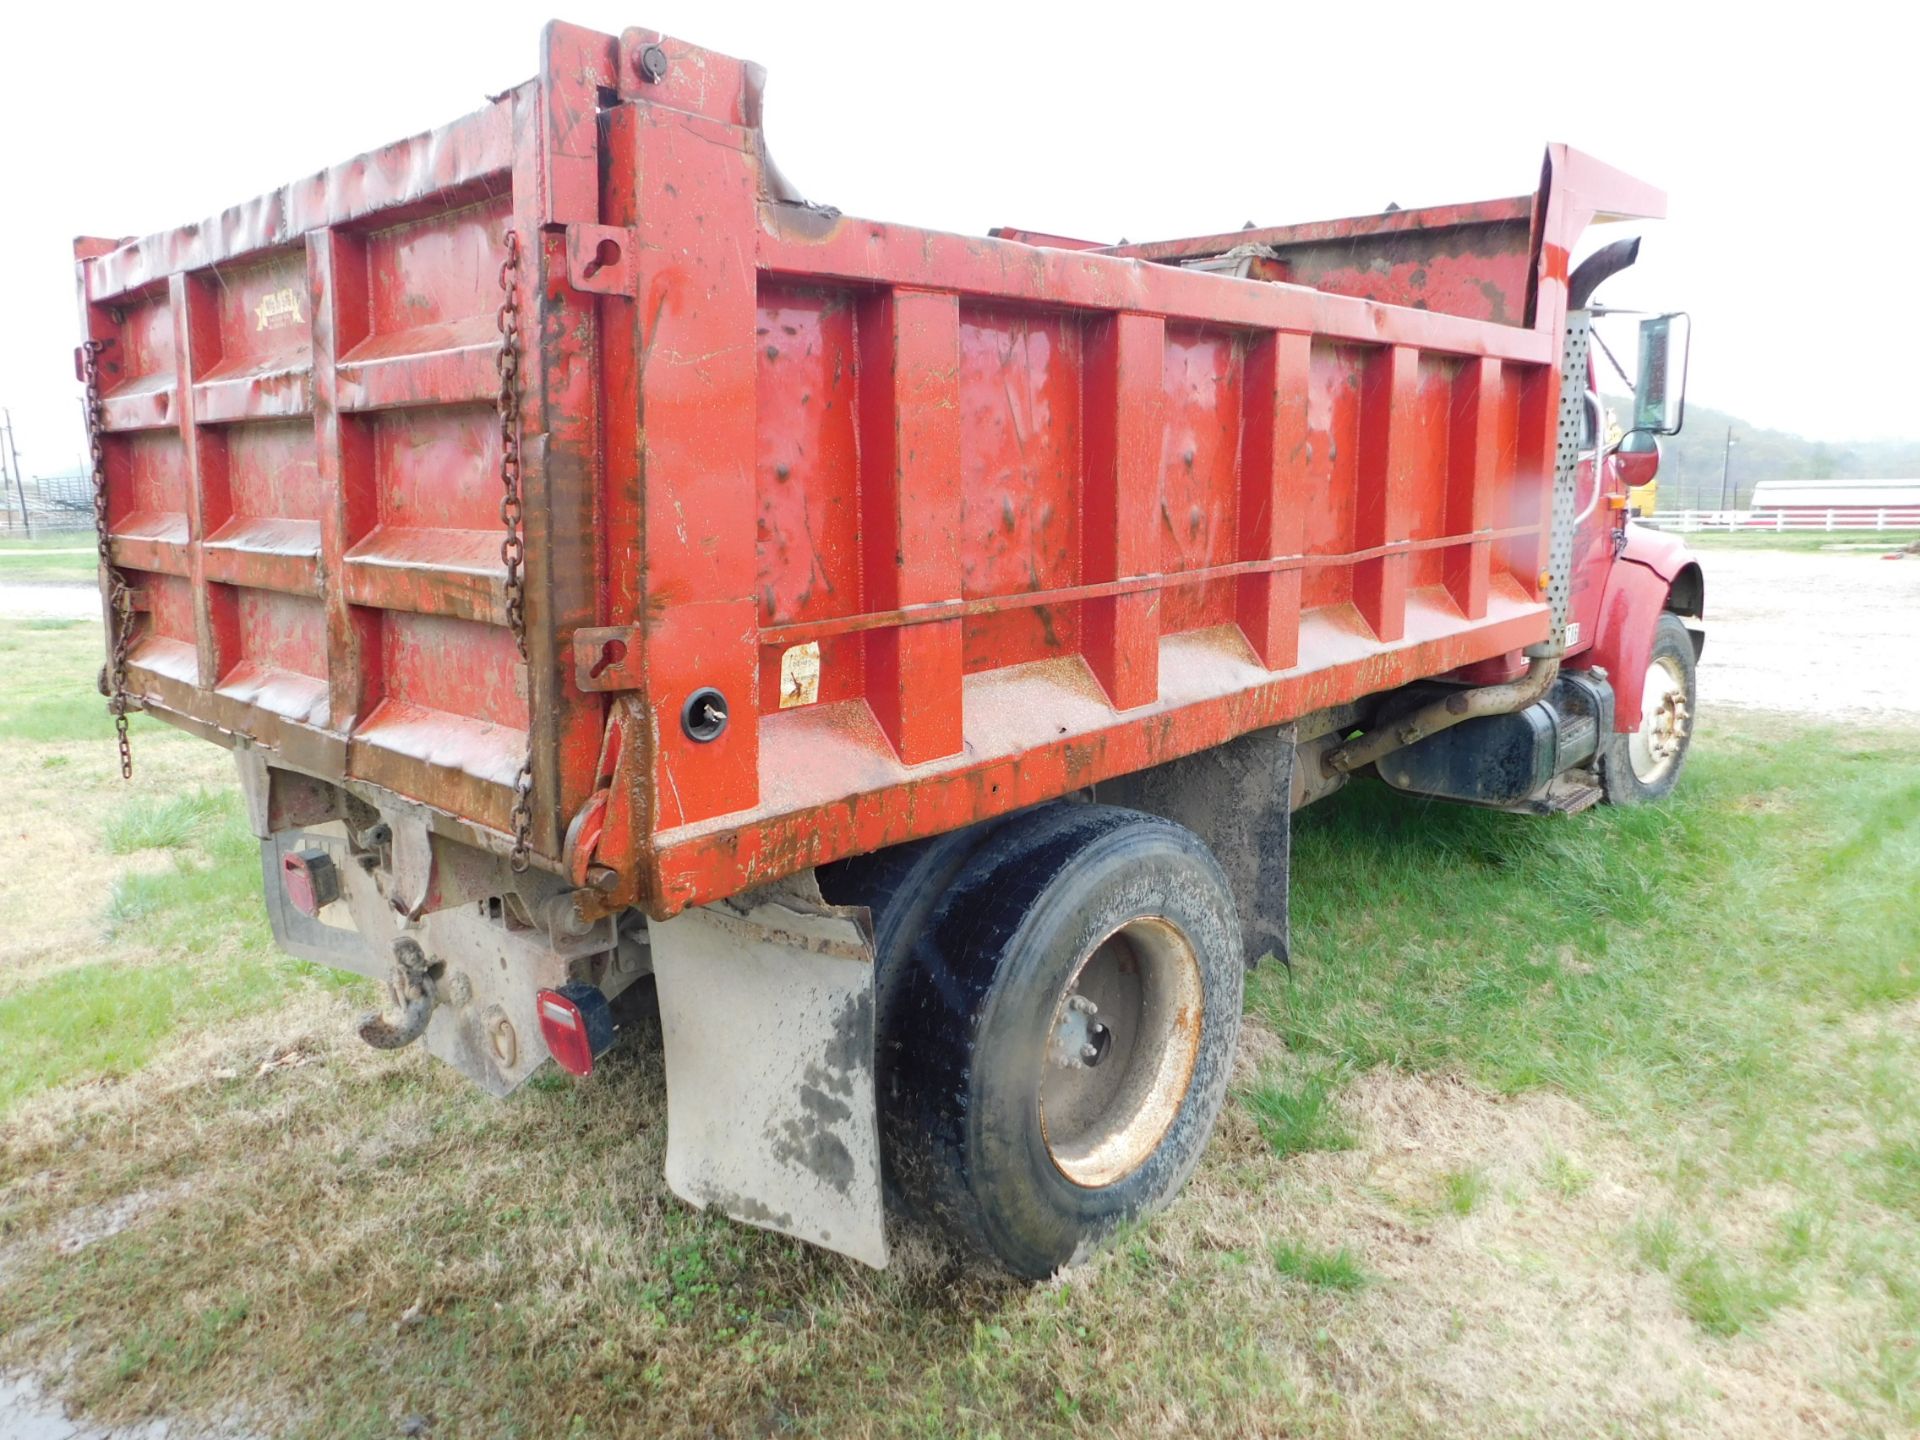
(1050, 515)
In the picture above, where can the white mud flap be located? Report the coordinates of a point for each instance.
(766, 1006)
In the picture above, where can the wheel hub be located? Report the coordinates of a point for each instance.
(1121, 1052)
(1080, 1040)
(1665, 721)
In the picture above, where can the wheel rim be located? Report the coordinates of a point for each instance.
(1665, 719)
(1121, 1051)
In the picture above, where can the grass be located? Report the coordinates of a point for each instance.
(1328, 1269)
(101, 1020)
(50, 695)
(166, 822)
(43, 560)
(1544, 955)
(1678, 1044)
(15, 543)
(1720, 1296)
(1465, 1190)
(1564, 1175)
(132, 915)
(1296, 1118)
(1896, 1177)
(1799, 540)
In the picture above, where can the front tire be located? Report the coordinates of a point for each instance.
(1644, 765)
(1061, 1039)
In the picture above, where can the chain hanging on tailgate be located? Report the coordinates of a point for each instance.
(119, 596)
(513, 549)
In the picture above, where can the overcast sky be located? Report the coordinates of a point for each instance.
(1785, 145)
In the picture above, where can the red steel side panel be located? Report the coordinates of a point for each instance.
(952, 525)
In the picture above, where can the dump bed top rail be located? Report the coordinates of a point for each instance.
(837, 532)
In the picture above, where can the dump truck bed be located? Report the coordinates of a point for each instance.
(926, 527)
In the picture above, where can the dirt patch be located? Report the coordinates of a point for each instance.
(1830, 635)
(82, 1228)
(27, 1413)
(49, 602)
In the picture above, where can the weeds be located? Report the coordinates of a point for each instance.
(1565, 1176)
(165, 822)
(1329, 1269)
(1464, 1190)
(1298, 1118)
(1725, 1299)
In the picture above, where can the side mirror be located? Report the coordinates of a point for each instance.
(1660, 397)
(1637, 460)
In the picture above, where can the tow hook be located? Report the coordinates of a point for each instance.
(413, 991)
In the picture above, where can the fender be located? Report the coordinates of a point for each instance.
(1655, 572)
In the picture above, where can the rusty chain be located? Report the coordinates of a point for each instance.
(513, 549)
(119, 597)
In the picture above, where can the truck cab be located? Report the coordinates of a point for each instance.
(1626, 576)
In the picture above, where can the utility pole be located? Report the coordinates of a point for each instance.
(12, 462)
(1727, 463)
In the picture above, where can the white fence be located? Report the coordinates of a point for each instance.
(1837, 521)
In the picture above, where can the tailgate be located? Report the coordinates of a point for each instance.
(304, 469)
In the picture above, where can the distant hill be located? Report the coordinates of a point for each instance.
(1690, 467)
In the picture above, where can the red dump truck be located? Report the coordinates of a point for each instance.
(906, 648)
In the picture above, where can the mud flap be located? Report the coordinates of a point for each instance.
(766, 1007)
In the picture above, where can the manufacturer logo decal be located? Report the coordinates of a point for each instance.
(282, 307)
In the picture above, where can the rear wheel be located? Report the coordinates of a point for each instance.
(1644, 764)
(900, 885)
(1058, 1037)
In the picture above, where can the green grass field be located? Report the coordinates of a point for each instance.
(44, 560)
(1802, 540)
(1600, 1126)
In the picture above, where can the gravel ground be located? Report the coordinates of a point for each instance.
(28, 1415)
(1835, 635)
(41, 602)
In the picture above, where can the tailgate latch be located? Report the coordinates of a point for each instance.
(606, 658)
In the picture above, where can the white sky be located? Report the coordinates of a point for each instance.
(1784, 137)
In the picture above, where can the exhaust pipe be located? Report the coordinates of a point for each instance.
(1443, 714)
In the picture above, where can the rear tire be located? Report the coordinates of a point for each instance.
(1644, 765)
(900, 887)
(993, 1129)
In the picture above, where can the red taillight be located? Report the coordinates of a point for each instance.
(312, 883)
(577, 1024)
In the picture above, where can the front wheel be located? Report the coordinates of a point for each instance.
(1062, 1035)
(1644, 764)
